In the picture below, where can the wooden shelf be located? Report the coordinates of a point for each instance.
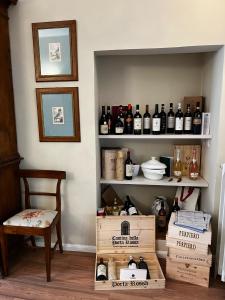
(157, 137)
(140, 180)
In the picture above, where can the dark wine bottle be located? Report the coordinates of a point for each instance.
(146, 121)
(197, 120)
(170, 120)
(129, 121)
(109, 120)
(179, 120)
(119, 126)
(137, 121)
(103, 125)
(163, 120)
(101, 270)
(176, 207)
(143, 265)
(162, 218)
(128, 167)
(188, 120)
(156, 121)
(121, 114)
(130, 208)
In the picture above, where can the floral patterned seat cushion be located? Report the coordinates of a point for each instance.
(32, 218)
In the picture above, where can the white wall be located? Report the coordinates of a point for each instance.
(101, 24)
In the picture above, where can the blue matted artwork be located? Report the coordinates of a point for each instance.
(53, 125)
(55, 56)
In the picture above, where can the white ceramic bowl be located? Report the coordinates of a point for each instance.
(153, 174)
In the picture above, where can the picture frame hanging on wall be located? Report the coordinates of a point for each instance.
(58, 114)
(55, 51)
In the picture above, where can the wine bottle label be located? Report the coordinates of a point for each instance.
(162, 221)
(156, 124)
(119, 130)
(171, 122)
(187, 123)
(197, 121)
(147, 123)
(194, 175)
(137, 123)
(122, 119)
(129, 170)
(101, 270)
(177, 173)
(132, 266)
(104, 129)
(179, 123)
(132, 210)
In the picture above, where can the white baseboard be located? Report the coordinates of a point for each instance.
(71, 247)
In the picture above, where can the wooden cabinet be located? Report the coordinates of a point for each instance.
(9, 156)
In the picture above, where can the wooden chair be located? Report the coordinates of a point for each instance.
(35, 222)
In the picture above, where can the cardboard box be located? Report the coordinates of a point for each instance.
(118, 237)
(192, 101)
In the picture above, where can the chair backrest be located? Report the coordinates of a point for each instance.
(48, 174)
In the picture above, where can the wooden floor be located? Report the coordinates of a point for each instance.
(72, 278)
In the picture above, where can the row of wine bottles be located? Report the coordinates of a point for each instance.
(107, 271)
(158, 123)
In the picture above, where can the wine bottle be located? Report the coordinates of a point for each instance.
(177, 168)
(162, 217)
(188, 120)
(137, 121)
(146, 121)
(115, 209)
(179, 120)
(143, 265)
(176, 207)
(129, 121)
(130, 208)
(128, 167)
(101, 270)
(103, 125)
(156, 121)
(121, 114)
(193, 167)
(162, 120)
(170, 120)
(132, 264)
(119, 126)
(109, 120)
(197, 120)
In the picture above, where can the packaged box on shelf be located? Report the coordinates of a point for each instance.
(192, 100)
(190, 273)
(186, 234)
(177, 255)
(118, 237)
(205, 123)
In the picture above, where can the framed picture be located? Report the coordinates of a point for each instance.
(58, 114)
(55, 51)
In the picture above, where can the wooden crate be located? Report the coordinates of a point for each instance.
(177, 255)
(190, 247)
(190, 273)
(188, 234)
(121, 236)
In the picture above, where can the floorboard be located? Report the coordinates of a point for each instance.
(72, 278)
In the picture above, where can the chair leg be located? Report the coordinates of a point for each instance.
(59, 235)
(47, 239)
(4, 251)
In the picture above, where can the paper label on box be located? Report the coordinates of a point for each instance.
(133, 274)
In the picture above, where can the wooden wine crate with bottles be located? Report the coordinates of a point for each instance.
(118, 238)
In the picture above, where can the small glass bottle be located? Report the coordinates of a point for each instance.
(120, 165)
(193, 168)
(115, 209)
(177, 168)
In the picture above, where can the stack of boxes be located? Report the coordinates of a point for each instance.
(189, 257)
